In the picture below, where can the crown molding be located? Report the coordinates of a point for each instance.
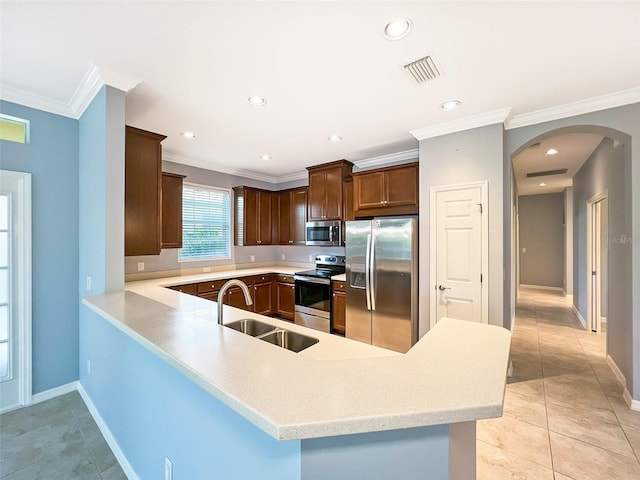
(594, 104)
(170, 156)
(92, 81)
(292, 176)
(86, 91)
(475, 121)
(32, 100)
(387, 159)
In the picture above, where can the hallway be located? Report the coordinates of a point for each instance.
(564, 415)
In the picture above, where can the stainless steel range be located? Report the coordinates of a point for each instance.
(313, 292)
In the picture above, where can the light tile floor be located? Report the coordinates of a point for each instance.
(55, 440)
(564, 415)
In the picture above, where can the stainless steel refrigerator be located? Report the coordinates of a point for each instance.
(382, 282)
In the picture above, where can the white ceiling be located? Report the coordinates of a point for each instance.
(324, 68)
(573, 150)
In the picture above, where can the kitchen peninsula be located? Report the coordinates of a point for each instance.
(222, 404)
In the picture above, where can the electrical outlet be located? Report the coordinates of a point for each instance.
(283, 256)
(311, 258)
(88, 283)
(524, 250)
(141, 266)
(206, 269)
(88, 367)
(253, 258)
(168, 469)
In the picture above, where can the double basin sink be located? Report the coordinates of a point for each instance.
(294, 341)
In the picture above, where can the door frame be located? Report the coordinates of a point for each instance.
(21, 288)
(593, 291)
(484, 198)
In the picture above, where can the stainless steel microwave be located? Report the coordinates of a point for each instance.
(326, 232)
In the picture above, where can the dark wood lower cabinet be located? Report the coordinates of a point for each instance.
(285, 300)
(338, 308)
(263, 294)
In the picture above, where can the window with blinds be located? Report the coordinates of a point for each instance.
(206, 223)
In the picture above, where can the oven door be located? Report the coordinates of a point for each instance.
(313, 302)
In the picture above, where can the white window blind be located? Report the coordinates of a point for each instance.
(205, 223)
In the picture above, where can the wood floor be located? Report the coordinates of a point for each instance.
(564, 415)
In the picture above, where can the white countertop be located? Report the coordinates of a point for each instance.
(455, 373)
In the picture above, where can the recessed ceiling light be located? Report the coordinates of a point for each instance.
(256, 100)
(265, 157)
(450, 105)
(334, 138)
(397, 28)
(552, 151)
(542, 184)
(187, 134)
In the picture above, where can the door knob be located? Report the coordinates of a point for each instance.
(442, 288)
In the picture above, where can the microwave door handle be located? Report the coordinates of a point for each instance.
(372, 285)
(367, 287)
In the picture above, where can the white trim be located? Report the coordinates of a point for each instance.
(405, 156)
(484, 198)
(21, 182)
(569, 296)
(467, 123)
(579, 315)
(92, 81)
(542, 287)
(108, 436)
(616, 370)
(170, 156)
(55, 392)
(631, 402)
(594, 104)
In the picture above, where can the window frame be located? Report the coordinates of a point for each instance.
(229, 243)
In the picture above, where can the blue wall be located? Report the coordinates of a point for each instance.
(52, 159)
(153, 412)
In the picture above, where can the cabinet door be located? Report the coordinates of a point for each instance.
(316, 196)
(235, 298)
(339, 310)
(401, 187)
(333, 189)
(285, 299)
(263, 297)
(347, 192)
(142, 202)
(264, 223)
(251, 209)
(189, 288)
(171, 210)
(284, 220)
(298, 216)
(369, 190)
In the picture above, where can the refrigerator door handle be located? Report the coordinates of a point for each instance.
(367, 273)
(372, 285)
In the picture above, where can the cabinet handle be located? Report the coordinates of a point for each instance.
(290, 241)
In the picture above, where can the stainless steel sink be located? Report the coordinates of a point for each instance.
(250, 327)
(293, 341)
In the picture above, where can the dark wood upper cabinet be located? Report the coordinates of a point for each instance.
(171, 210)
(291, 215)
(325, 194)
(253, 216)
(142, 199)
(386, 191)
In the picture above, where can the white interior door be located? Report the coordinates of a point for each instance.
(15, 289)
(460, 246)
(596, 263)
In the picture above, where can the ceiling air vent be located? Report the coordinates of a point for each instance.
(422, 70)
(561, 171)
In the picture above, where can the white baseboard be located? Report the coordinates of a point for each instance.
(569, 296)
(633, 404)
(108, 436)
(582, 320)
(54, 392)
(542, 287)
